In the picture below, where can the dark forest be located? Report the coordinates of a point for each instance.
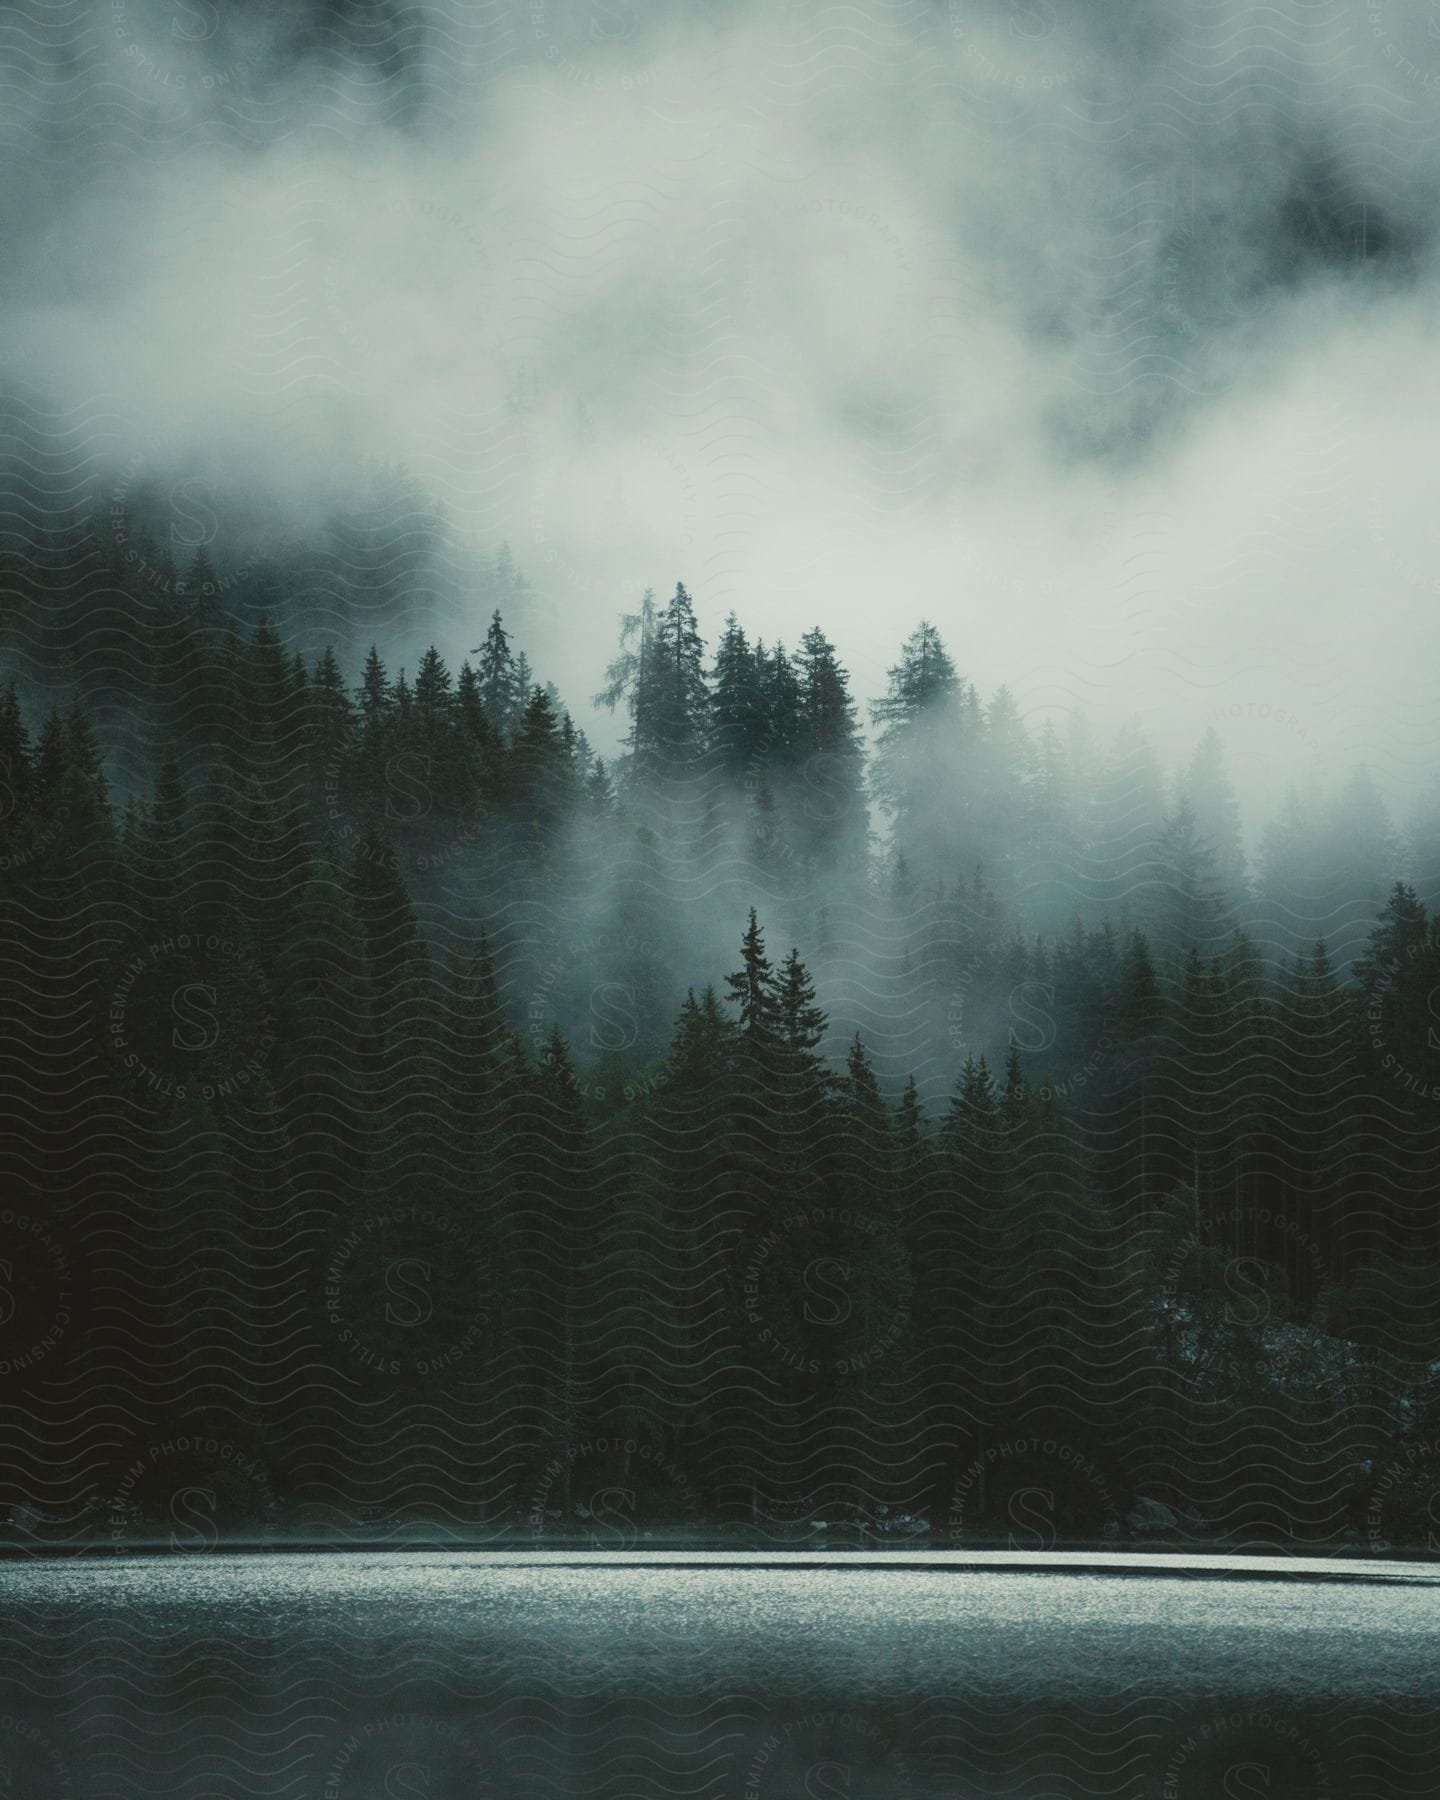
(805, 1124)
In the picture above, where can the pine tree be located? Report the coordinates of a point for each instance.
(921, 769)
(372, 698)
(1207, 788)
(1014, 1095)
(1189, 909)
(682, 698)
(910, 1118)
(265, 683)
(15, 776)
(1363, 858)
(865, 1171)
(1422, 845)
(330, 715)
(702, 1046)
(541, 780)
(600, 790)
(781, 699)
(803, 1024)
(973, 1118)
(478, 750)
(1142, 1006)
(999, 790)
(432, 695)
(1398, 1002)
(498, 679)
(921, 681)
(633, 678)
(832, 813)
(752, 989)
(737, 707)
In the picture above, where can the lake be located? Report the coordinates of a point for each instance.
(349, 1676)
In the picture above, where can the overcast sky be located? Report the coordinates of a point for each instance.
(1102, 334)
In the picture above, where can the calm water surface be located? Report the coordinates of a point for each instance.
(349, 1677)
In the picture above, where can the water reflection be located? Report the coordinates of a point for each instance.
(357, 1678)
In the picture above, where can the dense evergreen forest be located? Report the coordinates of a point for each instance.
(884, 1124)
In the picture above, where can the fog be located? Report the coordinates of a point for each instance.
(1102, 337)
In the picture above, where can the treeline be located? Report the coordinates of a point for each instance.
(408, 1104)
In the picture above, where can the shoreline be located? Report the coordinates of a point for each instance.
(1178, 1564)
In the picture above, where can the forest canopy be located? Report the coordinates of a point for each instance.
(809, 1113)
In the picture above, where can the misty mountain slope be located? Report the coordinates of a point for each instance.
(931, 1031)
(362, 1042)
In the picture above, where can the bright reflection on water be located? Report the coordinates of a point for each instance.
(344, 1677)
